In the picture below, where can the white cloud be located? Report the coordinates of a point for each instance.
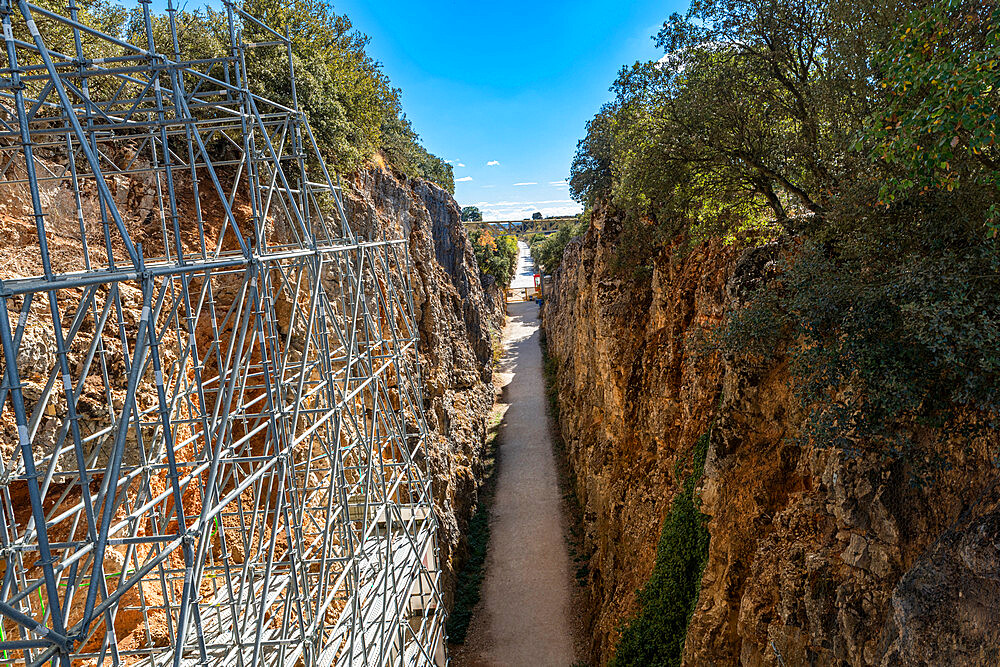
(459, 165)
(493, 163)
(521, 210)
(464, 179)
(559, 184)
(521, 185)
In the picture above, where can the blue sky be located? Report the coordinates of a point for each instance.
(504, 90)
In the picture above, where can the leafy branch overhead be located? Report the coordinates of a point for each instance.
(854, 145)
(942, 78)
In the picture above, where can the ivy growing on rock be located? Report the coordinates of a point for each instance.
(655, 637)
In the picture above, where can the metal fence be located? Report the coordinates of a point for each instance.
(211, 438)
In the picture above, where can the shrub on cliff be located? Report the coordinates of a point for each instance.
(940, 126)
(863, 135)
(884, 345)
(401, 145)
(655, 637)
(352, 107)
(548, 249)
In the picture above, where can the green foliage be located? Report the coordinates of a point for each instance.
(759, 127)
(590, 175)
(884, 346)
(402, 147)
(943, 83)
(656, 636)
(548, 249)
(748, 119)
(496, 255)
(472, 214)
(537, 215)
(100, 14)
(352, 108)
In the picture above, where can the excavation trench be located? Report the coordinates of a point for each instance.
(525, 615)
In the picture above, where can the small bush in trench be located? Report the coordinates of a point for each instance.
(656, 636)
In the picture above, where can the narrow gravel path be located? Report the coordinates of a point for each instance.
(524, 617)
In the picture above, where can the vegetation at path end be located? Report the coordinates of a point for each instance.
(496, 254)
(655, 637)
(854, 144)
(548, 249)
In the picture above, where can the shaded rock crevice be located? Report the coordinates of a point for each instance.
(456, 320)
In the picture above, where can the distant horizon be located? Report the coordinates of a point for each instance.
(507, 118)
(528, 219)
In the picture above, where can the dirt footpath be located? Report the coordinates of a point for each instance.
(524, 617)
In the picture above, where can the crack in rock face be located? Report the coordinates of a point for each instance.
(456, 313)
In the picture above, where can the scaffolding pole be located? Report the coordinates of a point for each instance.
(212, 433)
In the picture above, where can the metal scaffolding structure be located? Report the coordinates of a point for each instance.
(211, 438)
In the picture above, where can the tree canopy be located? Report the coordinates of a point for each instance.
(857, 137)
(352, 107)
(942, 82)
(850, 147)
(495, 254)
(471, 214)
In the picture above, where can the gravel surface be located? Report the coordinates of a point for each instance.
(524, 617)
(524, 275)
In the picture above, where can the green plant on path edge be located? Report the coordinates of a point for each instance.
(655, 637)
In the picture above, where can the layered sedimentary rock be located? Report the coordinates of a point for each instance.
(457, 318)
(814, 557)
(456, 314)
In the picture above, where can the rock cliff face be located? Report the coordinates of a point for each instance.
(814, 558)
(457, 317)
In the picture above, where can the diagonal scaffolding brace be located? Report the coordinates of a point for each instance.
(212, 433)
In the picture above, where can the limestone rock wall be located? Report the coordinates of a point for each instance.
(456, 317)
(455, 313)
(814, 558)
